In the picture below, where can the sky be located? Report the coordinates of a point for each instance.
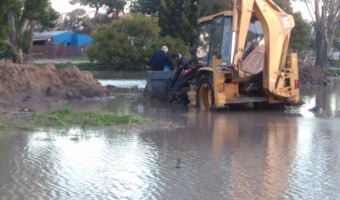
(301, 7)
(64, 6)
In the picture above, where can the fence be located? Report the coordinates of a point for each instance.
(52, 51)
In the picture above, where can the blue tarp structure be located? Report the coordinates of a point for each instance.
(65, 37)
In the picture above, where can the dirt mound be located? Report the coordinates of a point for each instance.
(310, 75)
(32, 82)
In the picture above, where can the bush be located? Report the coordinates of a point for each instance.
(128, 43)
(174, 45)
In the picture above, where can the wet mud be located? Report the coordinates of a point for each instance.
(21, 83)
(236, 154)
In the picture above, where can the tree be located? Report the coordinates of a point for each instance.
(285, 5)
(336, 43)
(301, 36)
(209, 7)
(77, 21)
(112, 5)
(204, 7)
(127, 43)
(325, 17)
(115, 6)
(178, 18)
(96, 4)
(149, 7)
(22, 18)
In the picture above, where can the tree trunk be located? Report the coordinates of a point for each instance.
(321, 49)
(15, 37)
(32, 29)
(96, 17)
(326, 19)
(18, 56)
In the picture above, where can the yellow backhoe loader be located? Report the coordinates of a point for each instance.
(241, 57)
(245, 52)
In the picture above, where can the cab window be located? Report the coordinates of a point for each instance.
(204, 42)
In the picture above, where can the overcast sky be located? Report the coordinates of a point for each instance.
(63, 6)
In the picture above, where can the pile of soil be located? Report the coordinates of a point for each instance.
(27, 81)
(310, 75)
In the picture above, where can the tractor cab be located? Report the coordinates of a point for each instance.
(216, 38)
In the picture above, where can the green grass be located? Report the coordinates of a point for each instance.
(3, 125)
(334, 63)
(67, 117)
(28, 128)
(79, 58)
(332, 72)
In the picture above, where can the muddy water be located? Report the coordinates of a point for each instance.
(236, 154)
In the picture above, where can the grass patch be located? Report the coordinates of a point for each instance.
(7, 125)
(79, 58)
(3, 126)
(334, 63)
(67, 117)
(26, 128)
(332, 72)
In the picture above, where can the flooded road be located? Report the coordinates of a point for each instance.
(236, 154)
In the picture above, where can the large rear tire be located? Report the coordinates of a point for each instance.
(205, 93)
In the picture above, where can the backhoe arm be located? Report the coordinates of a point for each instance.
(277, 27)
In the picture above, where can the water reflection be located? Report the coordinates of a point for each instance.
(140, 84)
(237, 154)
(325, 97)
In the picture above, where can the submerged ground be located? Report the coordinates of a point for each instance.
(236, 154)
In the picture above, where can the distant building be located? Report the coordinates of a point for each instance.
(59, 44)
(61, 37)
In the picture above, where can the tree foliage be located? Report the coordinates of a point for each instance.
(96, 4)
(20, 19)
(112, 6)
(149, 7)
(301, 35)
(204, 7)
(178, 18)
(127, 43)
(285, 5)
(209, 7)
(115, 6)
(77, 21)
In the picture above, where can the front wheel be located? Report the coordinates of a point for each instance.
(205, 93)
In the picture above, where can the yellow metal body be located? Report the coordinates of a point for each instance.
(280, 70)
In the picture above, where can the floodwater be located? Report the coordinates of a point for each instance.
(236, 154)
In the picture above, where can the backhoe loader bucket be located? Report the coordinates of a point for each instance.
(158, 84)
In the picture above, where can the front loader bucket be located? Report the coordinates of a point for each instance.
(158, 84)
